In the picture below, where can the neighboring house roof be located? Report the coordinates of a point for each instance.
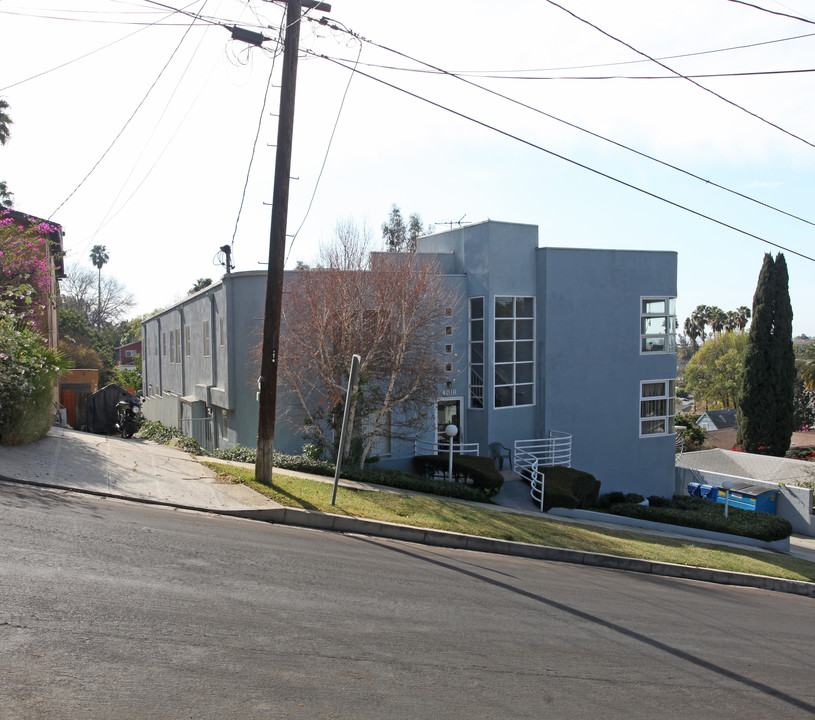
(721, 419)
(747, 465)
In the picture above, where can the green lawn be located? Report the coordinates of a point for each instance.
(444, 514)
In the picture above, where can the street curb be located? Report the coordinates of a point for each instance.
(441, 538)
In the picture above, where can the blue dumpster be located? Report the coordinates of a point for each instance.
(750, 497)
(693, 489)
(709, 492)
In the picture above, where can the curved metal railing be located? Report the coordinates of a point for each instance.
(532, 455)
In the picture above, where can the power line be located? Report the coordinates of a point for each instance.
(254, 145)
(500, 75)
(327, 150)
(583, 166)
(577, 127)
(662, 65)
(773, 12)
(129, 120)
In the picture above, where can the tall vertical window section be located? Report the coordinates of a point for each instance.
(514, 351)
(205, 335)
(657, 407)
(477, 353)
(658, 325)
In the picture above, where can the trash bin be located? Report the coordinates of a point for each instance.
(747, 496)
(709, 492)
(693, 489)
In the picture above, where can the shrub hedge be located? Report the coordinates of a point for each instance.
(706, 515)
(479, 472)
(569, 488)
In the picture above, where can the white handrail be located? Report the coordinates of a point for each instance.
(536, 485)
(424, 447)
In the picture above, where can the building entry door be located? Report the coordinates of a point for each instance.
(449, 412)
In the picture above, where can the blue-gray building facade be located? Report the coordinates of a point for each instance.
(543, 339)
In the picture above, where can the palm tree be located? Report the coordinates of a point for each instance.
(200, 284)
(743, 314)
(692, 331)
(99, 257)
(5, 121)
(732, 320)
(700, 319)
(5, 195)
(717, 319)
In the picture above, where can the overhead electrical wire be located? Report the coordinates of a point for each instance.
(327, 150)
(501, 76)
(773, 12)
(577, 127)
(128, 121)
(552, 153)
(254, 147)
(87, 54)
(676, 72)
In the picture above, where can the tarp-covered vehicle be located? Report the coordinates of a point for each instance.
(102, 408)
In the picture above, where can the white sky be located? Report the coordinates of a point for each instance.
(166, 196)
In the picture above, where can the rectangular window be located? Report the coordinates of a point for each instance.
(514, 343)
(172, 346)
(477, 353)
(205, 331)
(130, 353)
(187, 344)
(221, 332)
(657, 407)
(658, 324)
(164, 344)
(448, 349)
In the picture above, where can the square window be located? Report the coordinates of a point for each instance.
(448, 349)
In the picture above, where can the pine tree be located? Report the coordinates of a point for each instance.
(765, 411)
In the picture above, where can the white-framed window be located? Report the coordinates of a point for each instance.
(172, 346)
(187, 343)
(657, 400)
(476, 351)
(130, 353)
(164, 344)
(657, 324)
(514, 343)
(205, 331)
(221, 330)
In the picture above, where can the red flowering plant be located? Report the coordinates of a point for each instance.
(29, 369)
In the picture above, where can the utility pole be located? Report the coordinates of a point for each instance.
(267, 383)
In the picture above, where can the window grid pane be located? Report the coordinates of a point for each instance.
(514, 351)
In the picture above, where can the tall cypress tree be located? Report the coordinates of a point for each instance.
(765, 412)
(783, 361)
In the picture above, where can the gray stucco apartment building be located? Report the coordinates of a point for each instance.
(545, 339)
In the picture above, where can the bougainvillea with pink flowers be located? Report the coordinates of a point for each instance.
(28, 367)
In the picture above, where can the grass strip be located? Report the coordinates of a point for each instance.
(443, 514)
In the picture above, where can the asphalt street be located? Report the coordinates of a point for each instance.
(110, 609)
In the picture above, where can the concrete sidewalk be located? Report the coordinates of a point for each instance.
(136, 469)
(144, 471)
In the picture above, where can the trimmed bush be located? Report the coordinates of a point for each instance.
(480, 472)
(705, 515)
(569, 488)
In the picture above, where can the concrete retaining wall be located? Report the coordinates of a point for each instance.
(794, 503)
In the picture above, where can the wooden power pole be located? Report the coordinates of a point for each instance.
(277, 242)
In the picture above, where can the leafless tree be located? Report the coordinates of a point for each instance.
(108, 303)
(392, 311)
